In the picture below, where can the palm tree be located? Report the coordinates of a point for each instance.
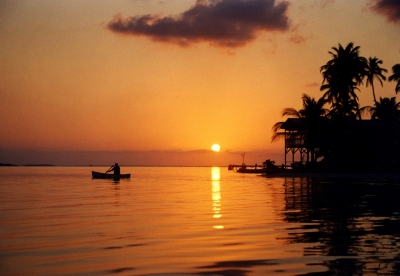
(344, 109)
(288, 111)
(396, 76)
(374, 71)
(342, 74)
(312, 110)
(311, 113)
(386, 109)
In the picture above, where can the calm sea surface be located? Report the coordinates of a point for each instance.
(195, 221)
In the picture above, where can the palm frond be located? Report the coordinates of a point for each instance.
(277, 136)
(277, 126)
(289, 111)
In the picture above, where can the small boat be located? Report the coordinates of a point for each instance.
(245, 170)
(110, 176)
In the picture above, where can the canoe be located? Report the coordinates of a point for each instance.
(110, 175)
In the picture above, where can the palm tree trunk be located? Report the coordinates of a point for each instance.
(373, 91)
(358, 113)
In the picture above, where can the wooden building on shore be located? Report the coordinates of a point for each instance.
(341, 144)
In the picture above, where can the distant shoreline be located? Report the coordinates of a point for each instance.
(28, 165)
(108, 165)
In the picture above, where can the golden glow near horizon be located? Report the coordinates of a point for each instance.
(74, 77)
(216, 147)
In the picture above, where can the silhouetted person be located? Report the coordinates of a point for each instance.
(115, 168)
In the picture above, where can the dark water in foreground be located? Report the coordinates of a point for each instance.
(195, 221)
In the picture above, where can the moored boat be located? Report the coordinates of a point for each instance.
(249, 170)
(110, 176)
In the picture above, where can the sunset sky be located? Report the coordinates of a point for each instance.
(157, 82)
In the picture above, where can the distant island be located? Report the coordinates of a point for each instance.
(6, 165)
(39, 165)
(28, 165)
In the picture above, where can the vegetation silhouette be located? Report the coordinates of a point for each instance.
(374, 71)
(311, 114)
(396, 76)
(341, 75)
(338, 138)
(386, 109)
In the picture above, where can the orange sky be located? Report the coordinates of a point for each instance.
(155, 80)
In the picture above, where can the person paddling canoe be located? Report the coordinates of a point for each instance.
(115, 168)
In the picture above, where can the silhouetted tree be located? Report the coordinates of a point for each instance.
(374, 71)
(386, 109)
(346, 144)
(386, 141)
(396, 76)
(311, 111)
(341, 76)
(344, 109)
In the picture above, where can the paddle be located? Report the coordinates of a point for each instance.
(106, 172)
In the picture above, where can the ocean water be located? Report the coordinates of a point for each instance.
(195, 221)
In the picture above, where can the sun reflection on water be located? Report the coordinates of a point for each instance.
(216, 195)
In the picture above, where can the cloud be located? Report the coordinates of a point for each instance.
(313, 84)
(388, 8)
(297, 39)
(325, 3)
(223, 23)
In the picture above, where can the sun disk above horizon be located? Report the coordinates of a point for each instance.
(215, 148)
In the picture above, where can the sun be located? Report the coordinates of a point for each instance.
(215, 148)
